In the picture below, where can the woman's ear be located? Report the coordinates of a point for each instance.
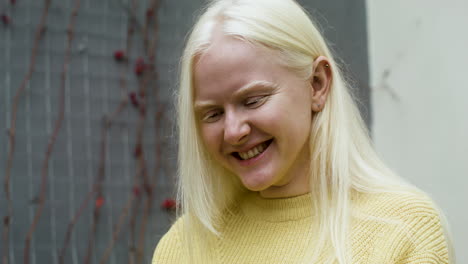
(321, 81)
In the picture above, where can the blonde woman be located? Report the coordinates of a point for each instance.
(275, 163)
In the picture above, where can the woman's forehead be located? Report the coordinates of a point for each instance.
(231, 62)
(224, 47)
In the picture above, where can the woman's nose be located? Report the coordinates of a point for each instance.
(236, 129)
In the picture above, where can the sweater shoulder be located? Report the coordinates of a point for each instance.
(398, 205)
(169, 247)
(410, 226)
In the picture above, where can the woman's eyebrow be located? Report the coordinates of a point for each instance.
(200, 105)
(262, 84)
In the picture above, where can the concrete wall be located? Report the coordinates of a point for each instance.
(418, 66)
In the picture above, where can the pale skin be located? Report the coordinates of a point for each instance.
(255, 115)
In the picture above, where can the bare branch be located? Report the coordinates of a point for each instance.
(53, 137)
(12, 131)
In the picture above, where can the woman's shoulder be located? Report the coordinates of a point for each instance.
(169, 246)
(404, 205)
(405, 226)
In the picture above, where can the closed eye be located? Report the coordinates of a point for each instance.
(255, 101)
(212, 116)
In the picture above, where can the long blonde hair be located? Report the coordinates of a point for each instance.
(343, 159)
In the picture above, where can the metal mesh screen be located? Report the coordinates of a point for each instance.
(92, 91)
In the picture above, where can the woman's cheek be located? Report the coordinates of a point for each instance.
(212, 136)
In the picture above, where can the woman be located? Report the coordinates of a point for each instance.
(275, 162)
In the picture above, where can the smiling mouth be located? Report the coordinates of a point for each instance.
(253, 152)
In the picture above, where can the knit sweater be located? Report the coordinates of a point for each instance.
(282, 231)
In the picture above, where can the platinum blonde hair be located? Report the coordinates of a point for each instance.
(343, 159)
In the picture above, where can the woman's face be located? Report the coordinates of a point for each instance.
(254, 116)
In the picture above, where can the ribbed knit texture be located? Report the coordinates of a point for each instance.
(386, 228)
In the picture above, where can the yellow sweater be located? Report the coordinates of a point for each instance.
(279, 231)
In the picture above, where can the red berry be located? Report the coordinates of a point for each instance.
(13, 2)
(149, 12)
(139, 69)
(136, 191)
(140, 66)
(99, 202)
(119, 55)
(138, 151)
(169, 204)
(5, 19)
(134, 99)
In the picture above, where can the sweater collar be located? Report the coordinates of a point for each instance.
(277, 209)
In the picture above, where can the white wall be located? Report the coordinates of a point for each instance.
(418, 52)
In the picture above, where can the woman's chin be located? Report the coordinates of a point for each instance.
(255, 183)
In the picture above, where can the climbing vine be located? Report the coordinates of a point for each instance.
(142, 192)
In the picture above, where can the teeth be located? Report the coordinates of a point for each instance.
(256, 151)
(253, 152)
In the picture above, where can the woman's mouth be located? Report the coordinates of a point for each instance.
(253, 152)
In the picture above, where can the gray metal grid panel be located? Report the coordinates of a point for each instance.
(92, 90)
